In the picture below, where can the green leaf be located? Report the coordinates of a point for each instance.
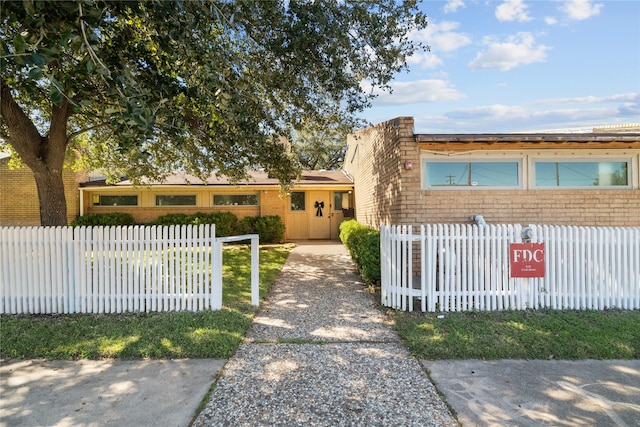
(19, 44)
(55, 95)
(38, 59)
(35, 73)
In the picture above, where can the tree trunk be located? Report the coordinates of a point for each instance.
(53, 205)
(44, 155)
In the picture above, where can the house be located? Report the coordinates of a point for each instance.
(312, 209)
(19, 205)
(588, 179)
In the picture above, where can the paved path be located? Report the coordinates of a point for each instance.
(320, 354)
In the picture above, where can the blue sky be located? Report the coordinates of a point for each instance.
(520, 65)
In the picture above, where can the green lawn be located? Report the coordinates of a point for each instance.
(541, 334)
(214, 334)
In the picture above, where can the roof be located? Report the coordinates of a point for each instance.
(529, 140)
(321, 177)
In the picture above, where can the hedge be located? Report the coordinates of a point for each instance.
(363, 243)
(103, 219)
(270, 228)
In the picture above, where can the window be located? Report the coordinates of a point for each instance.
(298, 201)
(119, 200)
(341, 200)
(176, 200)
(446, 174)
(235, 200)
(581, 174)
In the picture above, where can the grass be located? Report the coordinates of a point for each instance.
(214, 334)
(542, 334)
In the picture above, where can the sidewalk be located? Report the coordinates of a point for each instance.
(320, 354)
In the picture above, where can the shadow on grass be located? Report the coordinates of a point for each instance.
(167, 335)
(544, 334)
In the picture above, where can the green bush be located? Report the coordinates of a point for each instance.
(247, 225)
(226, 222)
(104, 219)
(173, 219)
(270, 228)
(363, 243)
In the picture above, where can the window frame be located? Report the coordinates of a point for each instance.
(561, 159)
(348, 197)
(304, 209)
(518, 160)
(98, 205)
(256, 195)
(195, 200)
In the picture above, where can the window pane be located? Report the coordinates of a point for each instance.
(340, 200)
(581, 174)
(116, 201)
(472, 174)
(235, 200)
(176, 200)
(297, 201)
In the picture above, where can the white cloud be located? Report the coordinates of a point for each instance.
(621, 97)
(513, 10)
(431, 90)
(517, 50)
(579, 10)
(442, 37)
(424, 60)
(550, 20)
(496, 111)
(509, 118)
(453, 5)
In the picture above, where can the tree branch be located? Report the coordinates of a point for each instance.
(81, 131)
(23, 134)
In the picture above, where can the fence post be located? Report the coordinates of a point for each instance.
(216, 291)
(255, 272)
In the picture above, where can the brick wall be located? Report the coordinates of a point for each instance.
(375, 159)
(387, 192)
(605, 208)
(19, 205)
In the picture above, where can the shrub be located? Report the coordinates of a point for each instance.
(363, 243)
(226, 222)
(270, 228)
(104, 219)
(247, 225)
(173, 219)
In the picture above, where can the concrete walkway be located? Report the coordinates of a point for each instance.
(320, 354)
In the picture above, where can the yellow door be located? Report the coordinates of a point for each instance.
(319, 210)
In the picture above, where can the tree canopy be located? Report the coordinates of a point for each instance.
(146, 88)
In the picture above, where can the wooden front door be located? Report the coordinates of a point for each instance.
(319, 212)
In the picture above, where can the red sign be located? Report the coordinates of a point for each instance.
(527, 259)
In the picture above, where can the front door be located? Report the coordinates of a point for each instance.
(319, 214)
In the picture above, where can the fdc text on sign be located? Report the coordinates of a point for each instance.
(527, 260)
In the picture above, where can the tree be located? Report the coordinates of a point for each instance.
(323, 148)
(145, 88)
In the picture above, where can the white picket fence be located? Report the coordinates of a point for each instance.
(114, 269)
(457, 267)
